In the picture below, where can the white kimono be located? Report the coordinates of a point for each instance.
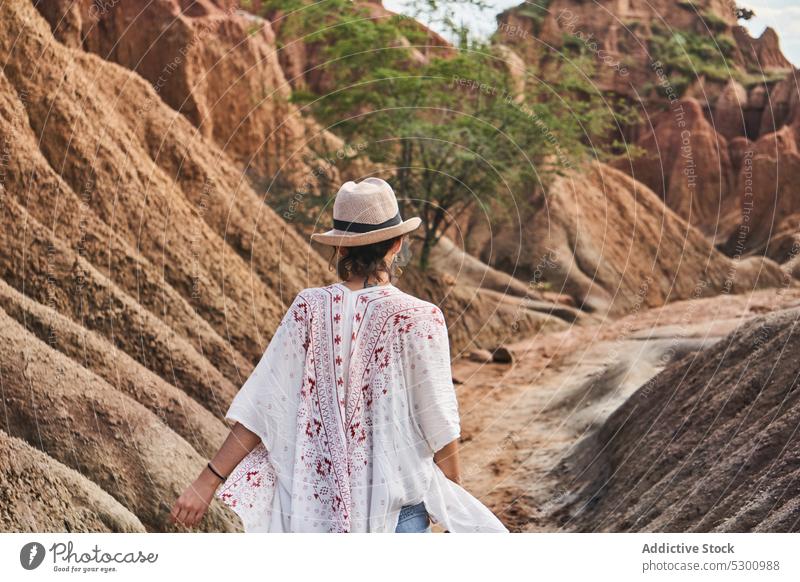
(351, 399)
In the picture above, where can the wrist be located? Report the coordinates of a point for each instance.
(209, 480)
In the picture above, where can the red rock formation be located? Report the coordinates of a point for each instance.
(433, 40)
(615, 33)
(577, 245)
(216, 65)
(303, 61)
(142, 277)
(687, 163)
(768, 195)
(728, 115)
(742, 189)
(762, 53)
(781, 105)
(703, 188)
(737, 150)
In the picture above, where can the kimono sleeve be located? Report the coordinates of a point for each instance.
(266, 403)
(434, 406)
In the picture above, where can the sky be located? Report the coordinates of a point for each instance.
(782, 15)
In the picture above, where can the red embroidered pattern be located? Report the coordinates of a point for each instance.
(245, 483)
(334, 431)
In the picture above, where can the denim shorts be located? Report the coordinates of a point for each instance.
(413, 519)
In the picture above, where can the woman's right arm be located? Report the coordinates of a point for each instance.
(274, 378)
(191, 506)
(447, 460)
(434, 405)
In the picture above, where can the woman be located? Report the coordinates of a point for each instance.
(349, 422)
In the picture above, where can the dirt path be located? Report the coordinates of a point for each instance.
(520, 421)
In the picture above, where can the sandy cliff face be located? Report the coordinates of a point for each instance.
(709, 444)
(717, 107)
(304, 63)
(688, 164)
(215, 64)
(610, 243)
(579, 247)
(142, 276)
(42, 495)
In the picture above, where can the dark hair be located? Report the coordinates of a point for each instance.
(364, 261)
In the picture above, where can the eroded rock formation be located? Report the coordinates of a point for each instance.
(717, 107)
(578, 247)
(142, 278)
(714, 441)
(215, 64)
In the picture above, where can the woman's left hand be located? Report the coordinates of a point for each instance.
(191, 506)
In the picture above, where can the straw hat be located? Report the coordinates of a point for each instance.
(365, 212)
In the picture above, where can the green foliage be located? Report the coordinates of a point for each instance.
(714, 22)
(624, 114)
(536, 11)
(762, 77)
(572, 43)
(633, 24)
(687, 55)
(726, 45)
(627, 150)
(452, 127)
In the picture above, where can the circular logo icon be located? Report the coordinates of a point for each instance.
(31, 555)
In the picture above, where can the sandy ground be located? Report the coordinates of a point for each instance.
(521, 420)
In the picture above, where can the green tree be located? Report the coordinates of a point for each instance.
(452, 125)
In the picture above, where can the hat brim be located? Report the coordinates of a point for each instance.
(340, 238)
